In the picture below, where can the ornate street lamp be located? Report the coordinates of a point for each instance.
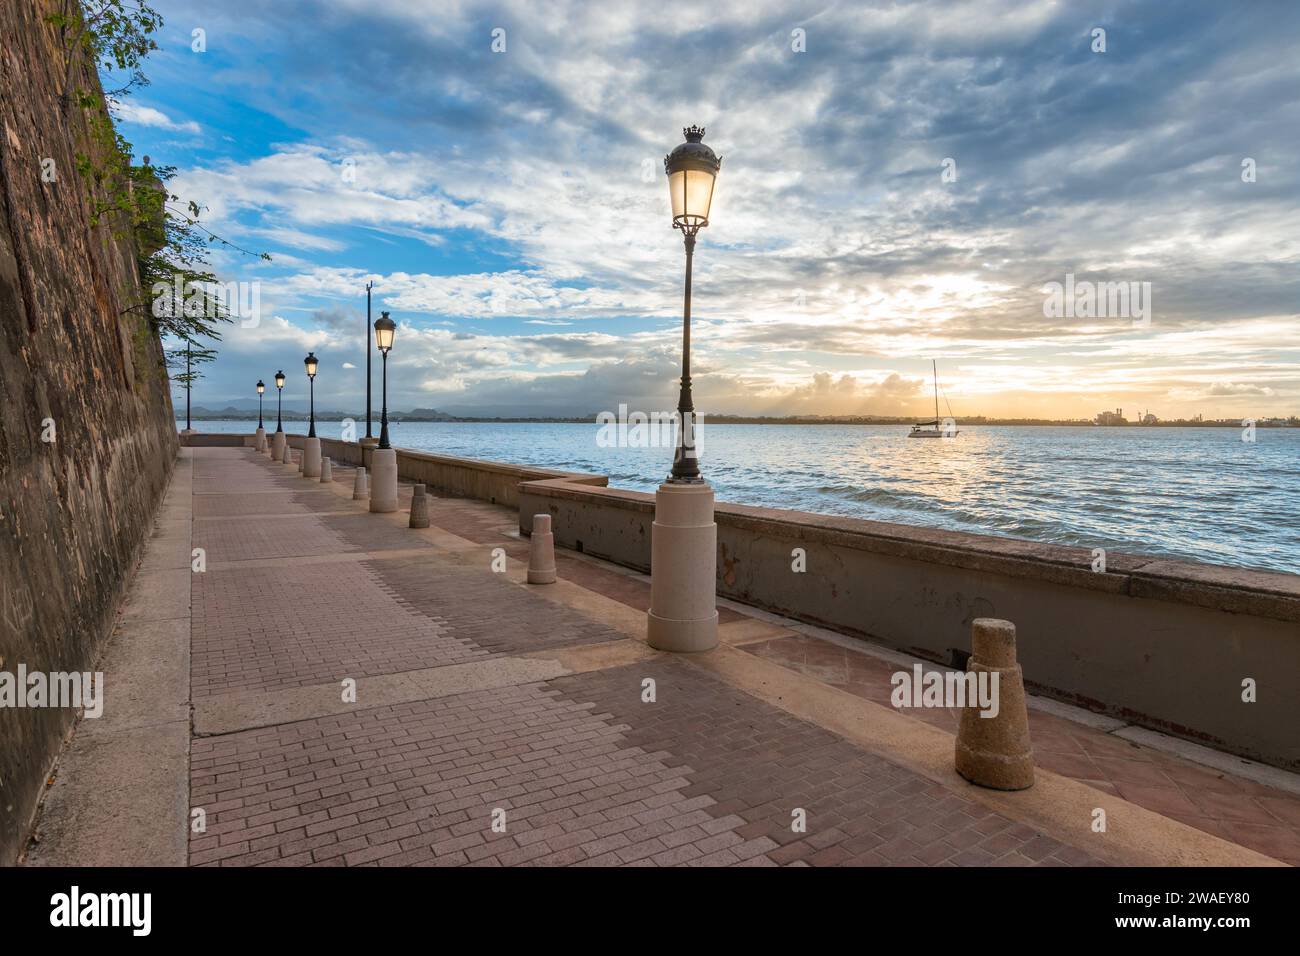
(692, 170)
(310, 362)
(385, 330)
(261, 387)
(683, 613)
(279, 396)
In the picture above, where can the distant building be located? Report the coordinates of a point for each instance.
(1112, 418)
(1149, 419)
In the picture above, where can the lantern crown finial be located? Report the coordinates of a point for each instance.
(693, 134)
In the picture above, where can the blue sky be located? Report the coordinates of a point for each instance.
(511, 206)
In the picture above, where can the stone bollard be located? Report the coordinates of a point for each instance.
(995, 751)
(302, 460)
(311, 457)
(360, 487)
(383, 480)
(541, 552)
(288, 456)
(419, 508)
(683, 613)
(326, 471)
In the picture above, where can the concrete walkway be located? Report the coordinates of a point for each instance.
(362, 693)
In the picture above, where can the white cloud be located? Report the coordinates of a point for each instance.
(130, 111)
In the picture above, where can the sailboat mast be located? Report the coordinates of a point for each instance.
(934, 364)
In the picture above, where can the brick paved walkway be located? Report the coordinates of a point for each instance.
(305, 589)
(1238, 809)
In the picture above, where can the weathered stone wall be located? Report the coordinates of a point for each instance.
(75, 511)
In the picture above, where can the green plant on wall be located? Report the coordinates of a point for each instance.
(112, 34)
(129, 198)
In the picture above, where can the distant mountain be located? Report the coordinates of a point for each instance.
(421, 415)
(294, 413)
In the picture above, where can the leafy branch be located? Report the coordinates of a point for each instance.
(112, 34)
(172, 243)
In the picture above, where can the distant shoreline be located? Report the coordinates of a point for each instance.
(737, 420)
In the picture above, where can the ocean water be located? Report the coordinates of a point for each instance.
(1196, 493)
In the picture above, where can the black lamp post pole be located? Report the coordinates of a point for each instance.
(383, 415)
(369, 354)
(311, 431)
(685, 463)
(259, 411)
(279, 401)
(188, 382)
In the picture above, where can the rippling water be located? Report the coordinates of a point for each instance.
(1198, 493)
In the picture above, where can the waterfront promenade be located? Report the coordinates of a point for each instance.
(334, 688)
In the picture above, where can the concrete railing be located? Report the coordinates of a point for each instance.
(1163, 644)
(490, 481)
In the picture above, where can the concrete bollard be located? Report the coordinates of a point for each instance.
(541, 552)
(995, 752)
(277, 446)
(383, 480)
(419, 508)
(683, 613)
(326, 471)
(311, 457)
(360, 487)
(302, 460)
(259, 439)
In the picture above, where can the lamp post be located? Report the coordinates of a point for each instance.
(279, 388)
(385, 331)
(692, 170)
(383, 460)
(683, 613)
(370, 439)
(188, 381)
(311, 446)
(279, 441)
(260, 444)
(311, 362)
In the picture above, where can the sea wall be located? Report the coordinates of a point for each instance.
(490, 481)
(87, 439)
(1163, 644)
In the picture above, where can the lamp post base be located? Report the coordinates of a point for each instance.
(277, 446)
(383, 480)
(311, 458)
(259, 442)
(683, 613)
(368, 447)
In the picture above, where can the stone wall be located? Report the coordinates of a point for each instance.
(75, 367)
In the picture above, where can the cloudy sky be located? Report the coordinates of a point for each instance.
(900, 183)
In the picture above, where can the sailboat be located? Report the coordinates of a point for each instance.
(932, 429)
